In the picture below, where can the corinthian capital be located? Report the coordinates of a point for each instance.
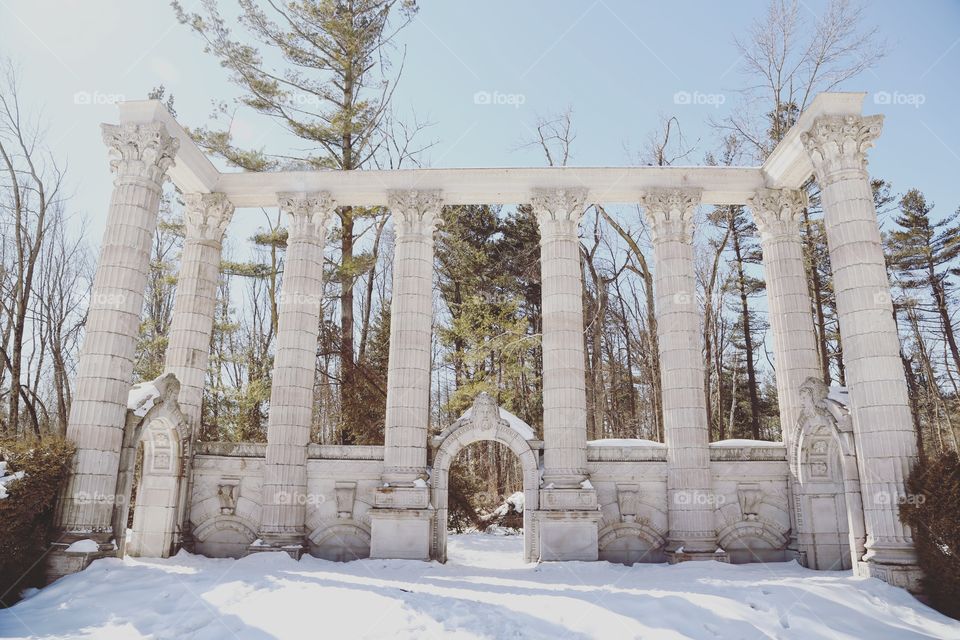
(308, 214)
(415, 212)
(839, 144)
(207, 216)
(777, 212)
(558, 210)
(670, 213)
(143, 150)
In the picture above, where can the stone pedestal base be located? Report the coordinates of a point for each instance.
(60, 562)
(567, 535)
(295, 551)
(683, 556)
(906, 576)
(401, 534)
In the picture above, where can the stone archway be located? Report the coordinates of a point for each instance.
(485, 421)
(154, 420)
(830, 519)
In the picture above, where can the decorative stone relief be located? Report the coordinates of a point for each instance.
(207, 215)
(670, 213)
(777, 212)
(227, 493)
(839, 144)
(144, 150)
(415, 212)
(628, 499)
(345, 493)
(751, 497)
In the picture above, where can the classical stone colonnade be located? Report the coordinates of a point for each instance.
(687, 499)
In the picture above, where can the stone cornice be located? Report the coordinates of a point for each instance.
(670, 213)
(838, 145)
(777, 212)
(415, 212)
(206, 216)
(308, 214)
(143, 151)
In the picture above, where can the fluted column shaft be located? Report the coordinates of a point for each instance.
(416, 215)
(105, 371)
(294, 367)
(886, 444)
(690, 500)
(188, 351)
(564, 388)
(777, 214)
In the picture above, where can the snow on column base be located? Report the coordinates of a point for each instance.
(401, 534)
(693, 556)
(567, 535)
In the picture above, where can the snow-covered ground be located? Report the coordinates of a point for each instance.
(484, 591)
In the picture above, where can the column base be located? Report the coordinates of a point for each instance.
(905, 576)
(401, 534)
(697, 556)
(60, 562)
(567, 526)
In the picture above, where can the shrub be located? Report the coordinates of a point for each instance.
(26, 514)
(934, 518)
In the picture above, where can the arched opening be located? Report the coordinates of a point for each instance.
(485, 422)
(151, 471)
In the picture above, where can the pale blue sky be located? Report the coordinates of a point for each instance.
(618, 64)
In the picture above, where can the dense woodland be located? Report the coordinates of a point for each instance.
(325, 72)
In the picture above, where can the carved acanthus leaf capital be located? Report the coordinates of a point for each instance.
(558, 210)
(415, 212)
(141, 150)
(207, 215)
(777, 212)
(839, 144)
(670, 213)
(308, 214)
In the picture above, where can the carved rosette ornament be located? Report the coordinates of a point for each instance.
(207, 216)
(838, 144)
(558, 211)
(777, 212)
(670, 213)
(308, 214)
(143, 151)
(415, 213)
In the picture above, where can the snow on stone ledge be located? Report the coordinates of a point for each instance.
(142, 398)
(624, 442)
(743, 442)
(526, 431)
(83, 546)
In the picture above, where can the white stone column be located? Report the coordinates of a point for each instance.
(567, 523)
(883, 427)
(105, 372)
(400, 523)
(188, 351)
(777, 213)
(886, 443)
(558, 213)
(283, 513)
(416, 215)
(691, 503)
